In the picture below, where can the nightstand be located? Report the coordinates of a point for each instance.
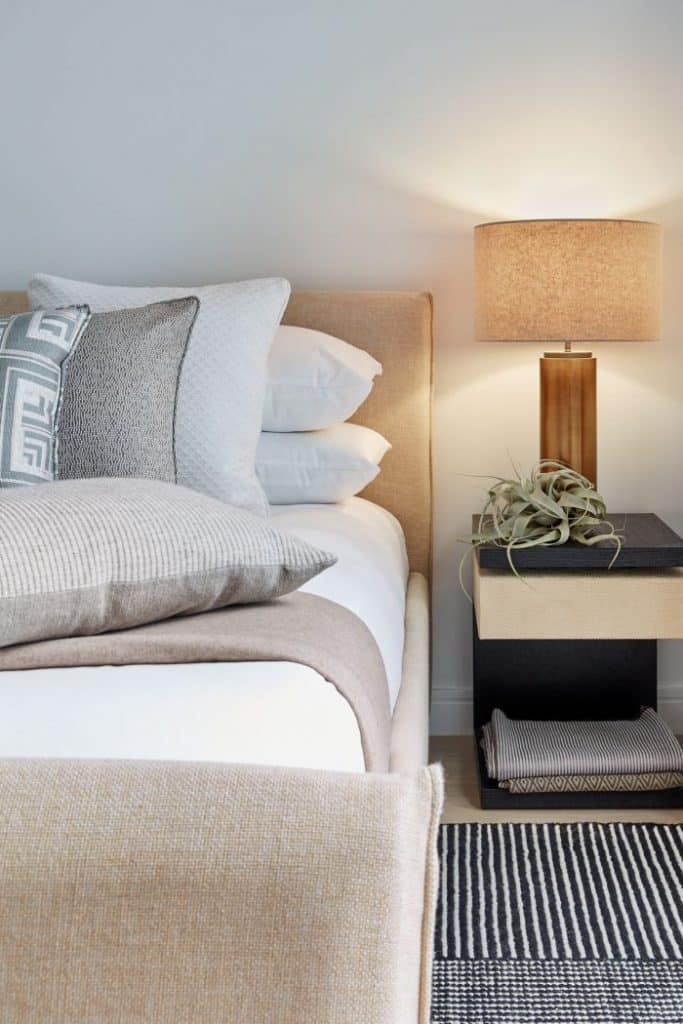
(576, 640)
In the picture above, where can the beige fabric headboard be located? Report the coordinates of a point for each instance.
(396, 328)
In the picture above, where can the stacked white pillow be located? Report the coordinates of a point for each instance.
(307, 452)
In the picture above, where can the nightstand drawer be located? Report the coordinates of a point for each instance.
(627, 604)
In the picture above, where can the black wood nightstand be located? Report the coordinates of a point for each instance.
(575, 640)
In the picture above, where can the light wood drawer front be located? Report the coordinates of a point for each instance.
(617, 605)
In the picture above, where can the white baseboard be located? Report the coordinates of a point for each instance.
(670, 705)
(452, 709)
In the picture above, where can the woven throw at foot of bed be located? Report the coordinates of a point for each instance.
(559, 924)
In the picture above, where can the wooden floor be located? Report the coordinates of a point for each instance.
(457, 754)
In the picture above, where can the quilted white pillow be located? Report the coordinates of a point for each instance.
(223, 377)
(314, 380)
(319, 466)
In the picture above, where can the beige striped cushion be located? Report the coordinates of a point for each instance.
(88, 556)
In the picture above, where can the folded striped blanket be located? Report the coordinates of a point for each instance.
(523, 749)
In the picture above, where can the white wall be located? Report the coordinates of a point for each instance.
(355, 145)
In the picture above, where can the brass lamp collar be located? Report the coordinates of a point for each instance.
(567, 353)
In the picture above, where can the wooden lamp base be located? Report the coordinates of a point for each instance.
(568, 410)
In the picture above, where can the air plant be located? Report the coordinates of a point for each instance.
(553, 505)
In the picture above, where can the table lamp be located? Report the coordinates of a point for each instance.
(568, 281)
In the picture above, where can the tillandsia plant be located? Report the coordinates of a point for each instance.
(552, 505)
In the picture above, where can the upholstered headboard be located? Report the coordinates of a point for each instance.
(396, 328)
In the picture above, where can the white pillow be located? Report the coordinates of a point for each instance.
(314, 380)
(319, 466)
(223, 377)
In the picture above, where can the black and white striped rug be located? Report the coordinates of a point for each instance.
(559, 924)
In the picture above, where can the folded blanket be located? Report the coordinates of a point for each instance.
(624, 783)
(523, 749)
(303, 628)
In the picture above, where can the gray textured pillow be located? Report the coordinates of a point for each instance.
(34, 348)
(119, 403)
(79, 557)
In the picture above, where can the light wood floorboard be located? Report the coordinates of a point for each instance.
(458, 756)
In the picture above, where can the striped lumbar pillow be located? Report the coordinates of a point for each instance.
(79, 557)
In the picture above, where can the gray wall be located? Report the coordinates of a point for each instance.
(355, 145)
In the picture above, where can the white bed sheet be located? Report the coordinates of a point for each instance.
(249, 712)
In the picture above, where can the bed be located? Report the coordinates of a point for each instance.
(282, 712)
(247, 868)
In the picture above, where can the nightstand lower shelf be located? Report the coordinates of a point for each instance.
(564, 679)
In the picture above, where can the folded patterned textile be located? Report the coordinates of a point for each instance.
(644, 782)
(524, 749)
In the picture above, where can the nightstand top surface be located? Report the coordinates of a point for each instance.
(647, 543)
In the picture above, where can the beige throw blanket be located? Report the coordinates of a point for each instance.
(302, 628)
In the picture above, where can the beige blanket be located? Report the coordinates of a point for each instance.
(302, 628)
(149, 893)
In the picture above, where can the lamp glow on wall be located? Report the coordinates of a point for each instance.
(568, 281)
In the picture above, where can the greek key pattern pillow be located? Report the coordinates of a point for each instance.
(34, 348)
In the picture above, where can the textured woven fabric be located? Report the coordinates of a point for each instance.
(301, 628)
(151, 893)
(120, 386)
(581, 891)
(84, 556)
(533, 992)
(223, 379)
(518, 748)
(33, 350)
(595, 783)
(410, 719)
(569, 924)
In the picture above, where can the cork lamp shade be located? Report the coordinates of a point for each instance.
(568, 281)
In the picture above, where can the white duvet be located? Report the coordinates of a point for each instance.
(251, 712)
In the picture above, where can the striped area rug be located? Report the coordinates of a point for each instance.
(559, 924)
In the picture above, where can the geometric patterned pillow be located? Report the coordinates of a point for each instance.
(33, 350)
